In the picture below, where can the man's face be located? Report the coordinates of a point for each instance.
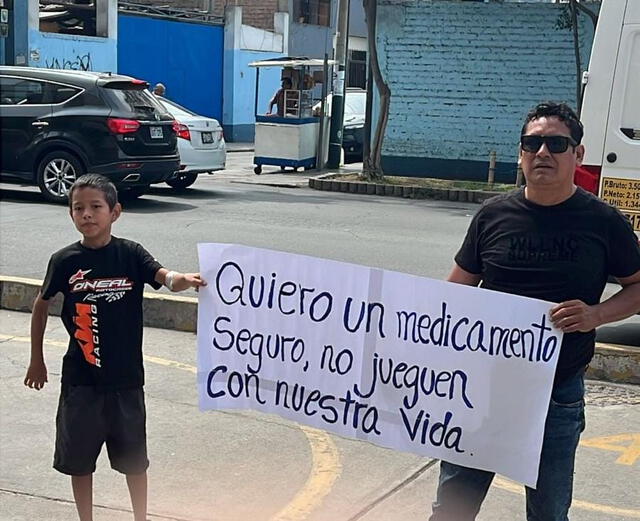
(544, 168)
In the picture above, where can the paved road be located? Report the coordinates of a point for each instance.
(418, 237)
(240, 466)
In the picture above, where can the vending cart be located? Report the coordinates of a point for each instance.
(289, 137)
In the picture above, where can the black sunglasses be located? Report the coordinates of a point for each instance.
(555, 144)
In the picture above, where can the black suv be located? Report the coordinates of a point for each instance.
(58, 124)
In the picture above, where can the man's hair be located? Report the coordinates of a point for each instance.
(562, 111)
(97, 182)
(287, 80)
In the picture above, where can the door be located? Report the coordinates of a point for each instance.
(25, 117)
(620, 184)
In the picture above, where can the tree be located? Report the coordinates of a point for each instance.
(372, 167)
(569, 20)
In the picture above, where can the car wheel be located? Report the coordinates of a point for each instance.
(182, 180)
(57, 171)
(257, 170)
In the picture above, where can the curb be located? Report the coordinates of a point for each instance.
(612, 363)
(332, 183)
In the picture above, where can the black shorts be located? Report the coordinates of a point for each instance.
(88, 417)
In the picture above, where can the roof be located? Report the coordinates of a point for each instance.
(287, 61)
(80, 78)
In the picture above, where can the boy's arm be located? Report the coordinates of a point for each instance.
(177, 281)
(37, 372)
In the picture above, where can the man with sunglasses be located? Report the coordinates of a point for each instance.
(553, 241)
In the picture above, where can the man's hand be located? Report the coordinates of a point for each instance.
(575, 315)
(36, 376)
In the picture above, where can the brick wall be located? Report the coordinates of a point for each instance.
(258, 13)
(462, 76)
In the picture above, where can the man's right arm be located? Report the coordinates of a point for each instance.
(37, 372)
(460, 276)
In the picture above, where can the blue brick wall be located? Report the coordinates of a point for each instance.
(462, 77)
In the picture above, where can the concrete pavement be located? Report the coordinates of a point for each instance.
(247, 466)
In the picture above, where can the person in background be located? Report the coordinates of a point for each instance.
(159, 89)
(278, 98)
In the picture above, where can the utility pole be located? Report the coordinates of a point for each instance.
(337, 99)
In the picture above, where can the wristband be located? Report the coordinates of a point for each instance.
(168, 280)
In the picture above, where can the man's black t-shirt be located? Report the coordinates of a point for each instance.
(102, 311)
(554, 253)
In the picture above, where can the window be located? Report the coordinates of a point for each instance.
(357, 69)
(70, 17)
(21, 91)
(313, 12)
(57, 93)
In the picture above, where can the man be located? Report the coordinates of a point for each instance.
(553, 241)
(159, 89)
(278, 98)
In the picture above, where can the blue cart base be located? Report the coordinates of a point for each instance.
(283, 163)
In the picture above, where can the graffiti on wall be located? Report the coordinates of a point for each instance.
(79, 62)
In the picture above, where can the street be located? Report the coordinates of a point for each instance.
(244, 465)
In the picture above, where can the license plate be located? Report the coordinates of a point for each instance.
(156, 132)
(207, 137)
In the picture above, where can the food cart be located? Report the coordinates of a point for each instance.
(290, 137)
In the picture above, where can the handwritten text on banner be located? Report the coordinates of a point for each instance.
(443, 370)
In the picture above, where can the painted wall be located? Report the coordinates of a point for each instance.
(462, 77)
(186, 57)
(244, 44)
(64, 51)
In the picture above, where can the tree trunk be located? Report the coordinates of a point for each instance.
(372, 168)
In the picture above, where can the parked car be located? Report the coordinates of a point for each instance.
(60, 124)
(200, 143)
(355, 101)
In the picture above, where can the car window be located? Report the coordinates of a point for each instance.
(57, 93)
(137, 99)
(355, 103)
(21, 91)
(174, 108)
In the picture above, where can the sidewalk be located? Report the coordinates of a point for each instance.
(248, 466)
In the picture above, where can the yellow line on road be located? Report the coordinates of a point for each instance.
(631, 513)
(325, 469)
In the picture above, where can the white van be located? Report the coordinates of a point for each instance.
(611, 107)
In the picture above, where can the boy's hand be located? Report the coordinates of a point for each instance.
(183, 281)
(36, 376)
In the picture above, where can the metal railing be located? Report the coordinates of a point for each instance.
(170, 12)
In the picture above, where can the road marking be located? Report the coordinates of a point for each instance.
(325, 468)
(627, 444)
(510, 486)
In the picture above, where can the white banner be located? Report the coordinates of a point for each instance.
(439, 369)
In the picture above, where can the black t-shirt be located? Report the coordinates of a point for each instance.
(554, 253)
(102, 311)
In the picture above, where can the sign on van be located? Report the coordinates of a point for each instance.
(625, 195)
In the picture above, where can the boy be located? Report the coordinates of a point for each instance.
(101, 400)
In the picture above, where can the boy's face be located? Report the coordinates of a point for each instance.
(92, 216)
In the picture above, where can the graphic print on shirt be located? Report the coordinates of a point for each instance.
(109, 288)
(87, 333)
(543, 248)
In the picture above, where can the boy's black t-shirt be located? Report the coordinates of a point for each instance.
(554, 253)
(102, 311)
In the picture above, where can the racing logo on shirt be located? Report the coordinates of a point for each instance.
(109, 288)
(87, 335)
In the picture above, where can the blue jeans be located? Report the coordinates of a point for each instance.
(462, 490)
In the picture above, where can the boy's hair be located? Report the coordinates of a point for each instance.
(562, 111)
(97, 182)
